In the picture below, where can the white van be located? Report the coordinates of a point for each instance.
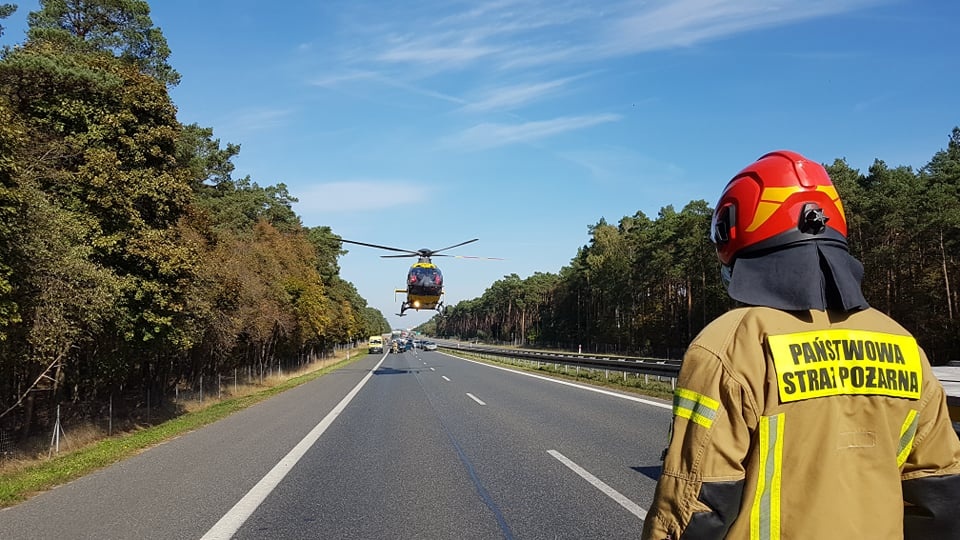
(376, 344)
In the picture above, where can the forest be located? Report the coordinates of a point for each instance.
(646, 286)
(131, 260)
(133, 263)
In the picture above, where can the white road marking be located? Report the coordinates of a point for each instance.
(231, 522)
(475, 398)
(667, 406)
(445, 378)
(432, 369)
(631, 506)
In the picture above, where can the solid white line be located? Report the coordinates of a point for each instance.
(475, 398)
(631, 506)
(575, 385)
(445, 378)
(234, 519)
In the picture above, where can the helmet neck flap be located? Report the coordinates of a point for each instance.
(816, 274)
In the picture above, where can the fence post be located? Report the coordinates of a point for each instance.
(57, 430)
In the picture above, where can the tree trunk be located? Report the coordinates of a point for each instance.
(28, 408)
(946, 277)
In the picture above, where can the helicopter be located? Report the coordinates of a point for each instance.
(424, 280)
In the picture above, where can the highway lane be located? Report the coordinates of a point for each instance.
(456, 449)
(430, 447)
(181, 488)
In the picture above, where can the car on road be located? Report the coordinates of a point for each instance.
(429, 346)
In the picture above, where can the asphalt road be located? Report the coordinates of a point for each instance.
(403, 446)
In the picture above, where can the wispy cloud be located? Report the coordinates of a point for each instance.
(360, 195)
(425, 51)
(872, 102)
(254, 120)
(513, 96)
(607, 165)
(345, 79)
(542, 32)
(688, 22)
(490, 135)
(339, 79)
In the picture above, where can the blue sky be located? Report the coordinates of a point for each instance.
(522, 122)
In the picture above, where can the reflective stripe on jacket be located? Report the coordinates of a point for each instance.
(804, 425)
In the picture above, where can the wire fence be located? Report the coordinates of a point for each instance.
(54, 427)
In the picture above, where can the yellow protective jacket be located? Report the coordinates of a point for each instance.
(807, 425)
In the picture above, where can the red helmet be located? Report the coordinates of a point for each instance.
(782, 198)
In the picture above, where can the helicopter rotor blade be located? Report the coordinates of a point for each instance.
(434, 252)
(411, 253)
(473, 257)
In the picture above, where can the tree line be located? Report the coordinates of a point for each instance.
(646, 286)
(131, 259)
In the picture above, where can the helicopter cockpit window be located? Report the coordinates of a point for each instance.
(425, 281)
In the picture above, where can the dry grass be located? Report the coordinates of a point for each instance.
(37, 451)
(83, 435)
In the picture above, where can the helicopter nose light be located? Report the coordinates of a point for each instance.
(416, 304)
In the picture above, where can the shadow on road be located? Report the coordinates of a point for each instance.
(650, 472)
(393, 371)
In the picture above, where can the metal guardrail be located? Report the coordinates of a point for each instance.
(628, 364)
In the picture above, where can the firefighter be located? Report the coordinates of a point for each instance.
(803, 414)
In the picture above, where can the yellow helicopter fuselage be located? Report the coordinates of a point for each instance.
(424, 286)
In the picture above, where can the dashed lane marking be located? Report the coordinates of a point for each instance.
(631, 506)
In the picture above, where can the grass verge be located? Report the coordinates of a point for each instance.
(19, 483)
(630, 383)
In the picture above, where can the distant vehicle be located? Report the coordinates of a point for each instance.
(429, 346)
(394, 346)
(375, 345)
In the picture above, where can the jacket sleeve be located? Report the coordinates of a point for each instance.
(698, 494)
(931, 472)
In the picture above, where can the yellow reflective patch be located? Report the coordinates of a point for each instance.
(777, 194)
(765, 513)
(763, 213)
(772, 197)
(907, 432)
(836, 362)
(831, 191)
(695, 407)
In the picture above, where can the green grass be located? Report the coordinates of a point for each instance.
(598, 377)
(16, 486)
